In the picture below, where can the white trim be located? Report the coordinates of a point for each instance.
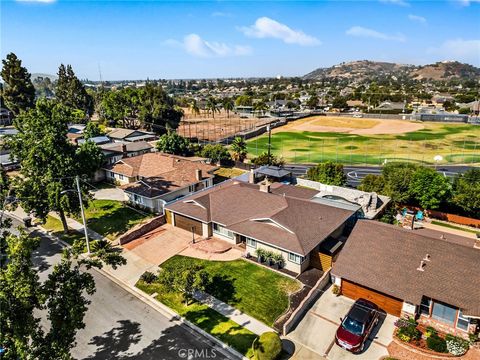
(275, 222)
(269, 244)
(191, 201)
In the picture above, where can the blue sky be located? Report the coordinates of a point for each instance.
(201, 39)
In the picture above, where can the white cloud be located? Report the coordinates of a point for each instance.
(396, 2)
(417, 18)
(265, 27)
(458, 49)
(38, 1)
(194, 45)
(360, 31)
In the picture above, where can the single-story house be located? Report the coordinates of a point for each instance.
(99, 140)
(128, 135)
(253, 217)
(425, 274)
(116, 151)
(153, 179)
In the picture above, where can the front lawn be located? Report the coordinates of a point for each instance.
(55, 226)
(258, 292)
(441, 223)
(205, 318)
(111, 218)
(225, 173)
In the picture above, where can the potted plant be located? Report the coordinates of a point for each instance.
(336, 290)
(278, 261)
(260, 255)
(269, 257)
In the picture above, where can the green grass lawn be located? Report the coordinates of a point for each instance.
(440, 223)
(457, 143)
(205, 318)
(258, 292)
(55, 226)
(225, 173)
(111, 218)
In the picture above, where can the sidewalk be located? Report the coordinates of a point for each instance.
(75, 225)
(448, 230)
(235, 315)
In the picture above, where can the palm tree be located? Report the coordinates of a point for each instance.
(228, 105)
(211, 105)
(195, 110)
(239, 149)
(260, 106)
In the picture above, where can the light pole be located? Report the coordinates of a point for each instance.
(77, 180)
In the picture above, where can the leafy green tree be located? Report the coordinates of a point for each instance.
(121, 107)
(339, 103)
(466, 192)
(49, 162)
(18, 92)
(429, 188)
(194, 109)
(228, 105)
(397, 176)
(157, 110)
(260, 106)
(312, 101)
(373, 183)
(264, 159)
(172, 143)
(239, 149)
(71, 92)
(92, 129)
(216, 153)
(329, 173)
(243, 100)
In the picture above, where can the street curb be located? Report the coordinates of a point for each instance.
(161, 308)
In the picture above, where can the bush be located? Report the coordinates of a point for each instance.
(335, 289)
(267, 347)
(407, 330)
(456, 346)
(148, 277)
(429, 332)
(436, 343)
(216, 153)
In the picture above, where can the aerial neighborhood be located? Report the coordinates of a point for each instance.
(332, 215)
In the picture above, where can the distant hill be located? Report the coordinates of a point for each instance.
(365, 69)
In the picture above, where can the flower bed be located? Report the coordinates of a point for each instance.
(430, 341)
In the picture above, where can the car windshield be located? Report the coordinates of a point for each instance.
(352, 326)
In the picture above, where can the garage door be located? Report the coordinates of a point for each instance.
(187, 223)
(389, 304)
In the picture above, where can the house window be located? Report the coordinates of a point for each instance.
(297, 259)
(191, 188)
(251, 242)
(425, 306)
(444, 313)
(137, 199)
(120, 176)
(462, 322)
(221, 230)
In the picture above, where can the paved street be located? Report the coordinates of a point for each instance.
(120, 326)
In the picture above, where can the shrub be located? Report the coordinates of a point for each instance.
(261, 253)
(335, 289)
(456, 345)
(267, 347)
(404, 337)
(148, 277)
(436, 343)
(278, 259)
(429, 332)
(407, 329)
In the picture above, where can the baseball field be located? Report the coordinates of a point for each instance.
(371, 141)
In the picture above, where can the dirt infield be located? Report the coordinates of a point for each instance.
(358, 126)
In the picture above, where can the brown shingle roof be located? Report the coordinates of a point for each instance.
(293, 224)
(385, 258)
(130, 146)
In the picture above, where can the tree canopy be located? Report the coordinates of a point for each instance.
(466, 192)
(429, 188)
(216, 153)
(172, 143)
(239, 149)
(18, 92)
(70, 91)
(329, 173)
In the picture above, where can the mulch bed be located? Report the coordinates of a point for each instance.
(401, 353)
(310, 276)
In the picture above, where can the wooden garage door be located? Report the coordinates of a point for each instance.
(389, 304)
(187, 223)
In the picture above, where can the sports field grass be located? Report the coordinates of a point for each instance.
(456, 143)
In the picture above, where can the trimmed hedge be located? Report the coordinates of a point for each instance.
(267, 347)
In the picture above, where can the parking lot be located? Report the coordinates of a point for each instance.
(316, 331)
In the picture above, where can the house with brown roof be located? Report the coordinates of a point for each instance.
(151, 180)
(254, 217)
(129, 135)
(425, 274)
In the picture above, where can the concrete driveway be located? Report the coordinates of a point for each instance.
(109, 194)
(317, 330)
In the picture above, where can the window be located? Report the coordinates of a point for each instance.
(425, 306)
(137, 199)
(221, 230)
(191, 188)
(444, 313)
(462, 322)
(297, 259)
(120, 176)
(251, 243)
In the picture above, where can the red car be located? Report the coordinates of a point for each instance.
(357, 326)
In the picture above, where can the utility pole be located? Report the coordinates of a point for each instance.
(77, 180)
(269, 143)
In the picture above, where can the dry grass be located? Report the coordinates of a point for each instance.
(352, 123)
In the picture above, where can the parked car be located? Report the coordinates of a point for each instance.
(357, 326)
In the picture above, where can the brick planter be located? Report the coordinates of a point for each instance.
(424, 352)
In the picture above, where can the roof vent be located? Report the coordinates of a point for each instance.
(422, 266)
(443, 237)
(427, 257)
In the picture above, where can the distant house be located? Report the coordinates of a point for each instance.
(99, 140)
(153, 179)
(5, 117)
(423, 273)
(390, 106)
(256, 217)
(116, 151)
(128, 135)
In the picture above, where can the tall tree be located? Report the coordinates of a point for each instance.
(466, 190)
(228, 105)
(71, 92)
(172, 143)
(239, 149)
(92, 129)
(211, 105)
(329, 173)
(49, 162)
(429, 188)
(121, 108)
(194, 109)
(18, 91)
(260, 106)
(397, 177)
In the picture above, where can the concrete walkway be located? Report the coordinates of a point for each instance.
(235, 315)
(448, 230)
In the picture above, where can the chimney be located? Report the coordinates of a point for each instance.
(422, 266)
(124, 149)
(427, 257)
(198, 174)
(265, 186)
(251, 177)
